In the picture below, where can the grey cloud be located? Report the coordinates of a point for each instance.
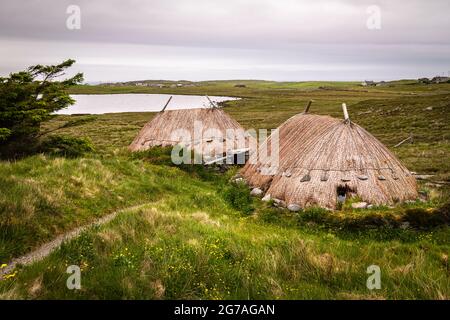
(207, 39)
(231, 23)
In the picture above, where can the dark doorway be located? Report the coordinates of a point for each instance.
(343, 193)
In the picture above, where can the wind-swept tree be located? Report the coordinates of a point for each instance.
(27, 99)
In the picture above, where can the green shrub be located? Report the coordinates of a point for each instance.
(424, 219)
(162, 156)
(315, 214)
(4, 134)
(155, 155)
(66, 146)
(270, 215)
(371, 220)
(205, 173)
(444, 211)
(237, 195)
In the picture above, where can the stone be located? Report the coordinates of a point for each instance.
(237, 178)
(433, 185)
(256, 192)
(266, 198)
(429, 109)
(424, 176)
(360, 205)
(294, 207)
(287, 174)
(279, 203)
(405, 225)
(370, 206)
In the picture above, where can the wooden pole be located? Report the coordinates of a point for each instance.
(308, 106)
(403, 141)
(346, 117)
(167, 103)
(212, 103)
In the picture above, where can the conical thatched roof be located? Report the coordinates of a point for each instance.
(205, 128)
(321, 157)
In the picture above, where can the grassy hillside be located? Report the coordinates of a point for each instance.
(390, 112)
(190, 241)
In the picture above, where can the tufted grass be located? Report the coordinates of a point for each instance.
(190, 242)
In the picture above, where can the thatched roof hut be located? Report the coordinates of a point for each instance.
(323, 159)
(209, 131)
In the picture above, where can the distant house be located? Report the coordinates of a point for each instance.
(439, 79)
(381, 84)
(424, 80)
(156, 85)
(368, 83)
(142, 84)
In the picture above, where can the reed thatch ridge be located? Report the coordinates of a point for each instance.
(216, 126)
(321, 157)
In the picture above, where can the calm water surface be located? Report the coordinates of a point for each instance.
(113, 103)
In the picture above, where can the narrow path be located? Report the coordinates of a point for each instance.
(47, 248)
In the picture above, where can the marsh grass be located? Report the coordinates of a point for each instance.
(190, 241)
(171, 250)
(43, 196)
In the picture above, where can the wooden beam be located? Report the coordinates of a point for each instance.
(212, 103)
(403, 141)
(167, 103)
(344, 109)
(308, 106)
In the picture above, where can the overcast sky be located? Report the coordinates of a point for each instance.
(123, 40)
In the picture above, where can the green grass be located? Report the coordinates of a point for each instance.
(200, 238)
(43, 196)
(391, 113)
(193, 246)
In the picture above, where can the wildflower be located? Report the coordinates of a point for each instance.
(9, 276)
(4, 265)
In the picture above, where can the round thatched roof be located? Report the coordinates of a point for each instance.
(208, 127)
(321, 156)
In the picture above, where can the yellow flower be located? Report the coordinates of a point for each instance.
(3, 266)
(11, 275)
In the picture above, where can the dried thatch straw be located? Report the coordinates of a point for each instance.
(320, 156)
(218, 131)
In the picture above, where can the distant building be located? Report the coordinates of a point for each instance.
(440, 79)
(142, 84)
(424, 80)
(368, 83)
